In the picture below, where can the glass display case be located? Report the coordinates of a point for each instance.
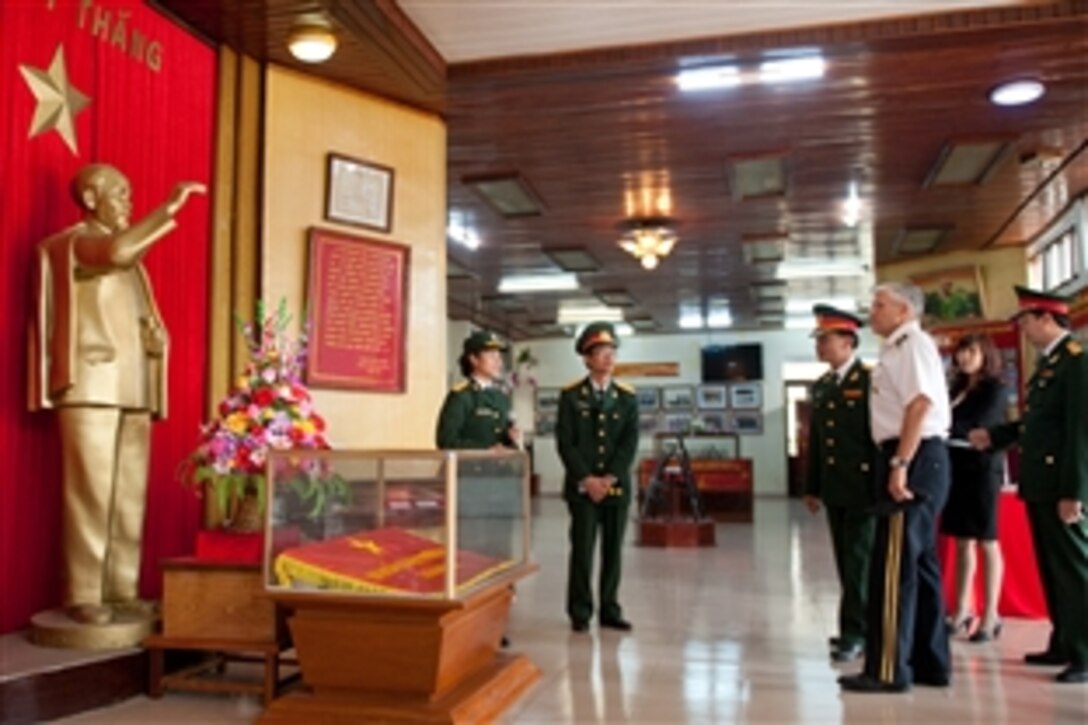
(432, 524)
(401, 556)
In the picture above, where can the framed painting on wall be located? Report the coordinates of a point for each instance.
(952, 295)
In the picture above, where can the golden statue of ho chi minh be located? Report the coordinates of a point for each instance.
(98, 353)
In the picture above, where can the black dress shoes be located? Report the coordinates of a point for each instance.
(861, 683)
(1045, 658)
(1073, 673)
(577, 626)
(621, 624)
(849, 653)
(834, 642)
(932, 680)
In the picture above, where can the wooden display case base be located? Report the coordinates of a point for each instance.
(678, 534)
(375, 659)
(479, 698)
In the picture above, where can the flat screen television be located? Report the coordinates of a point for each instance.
(732, 363)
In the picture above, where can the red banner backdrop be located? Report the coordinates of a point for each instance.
(86, 81)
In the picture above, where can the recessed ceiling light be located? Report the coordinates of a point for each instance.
(538, 283)
(1017, 93)
(692, 321)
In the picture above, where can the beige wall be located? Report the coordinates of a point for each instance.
(304, 119)
(1001, 270)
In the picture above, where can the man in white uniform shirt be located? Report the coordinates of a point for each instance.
(909, 413)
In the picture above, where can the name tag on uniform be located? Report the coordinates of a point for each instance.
(487, 412)
(852, 394)
(1046, 373)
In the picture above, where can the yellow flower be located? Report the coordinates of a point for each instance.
(242, 383)
(236, 422)
(306, 426)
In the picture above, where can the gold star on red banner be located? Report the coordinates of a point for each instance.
(58, 100)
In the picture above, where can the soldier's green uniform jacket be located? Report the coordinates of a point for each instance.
(474, 417)
(597, 437)
(841, 448)
(1053, 432)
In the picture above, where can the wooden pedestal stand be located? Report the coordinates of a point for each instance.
(376, 659)
(221, 610)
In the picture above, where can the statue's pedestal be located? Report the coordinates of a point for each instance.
(54, 628)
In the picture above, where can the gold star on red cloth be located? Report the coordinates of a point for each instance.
(58, 100)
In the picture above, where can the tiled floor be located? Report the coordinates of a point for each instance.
(736, 633)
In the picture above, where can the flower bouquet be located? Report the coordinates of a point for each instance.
(269, 408)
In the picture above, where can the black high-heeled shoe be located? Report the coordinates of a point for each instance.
(959, 626)
(982, 635)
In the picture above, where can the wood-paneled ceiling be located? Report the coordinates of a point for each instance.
(593, 130)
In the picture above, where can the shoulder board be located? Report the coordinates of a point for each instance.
(629, 389)
(901, 340)
(1074, 348)
(573, 385)
(829, 375)
(463, 385)
(867, 367)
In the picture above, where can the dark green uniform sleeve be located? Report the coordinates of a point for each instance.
(451, 422)
(1073, 483)
(566, 434)
(623, 455)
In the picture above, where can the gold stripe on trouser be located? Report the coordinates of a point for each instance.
(891, 597)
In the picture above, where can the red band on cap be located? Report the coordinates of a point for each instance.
(600, 338)
(836, 323)
(1055, 307)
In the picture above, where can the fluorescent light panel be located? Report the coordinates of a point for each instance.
(773, 71)
(967, 163)
(798, 306)
(508, 194)
(692, 321)
(616, 298)
(708, 78)
(754, 178)
(810, 268)
(643, 324)
(573, 259)
(919, 241)
(574, 313)
(555, 282)
(787, 70)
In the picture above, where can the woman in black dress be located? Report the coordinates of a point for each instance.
(970, 515)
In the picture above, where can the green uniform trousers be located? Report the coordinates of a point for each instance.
(852, 532)
(1061, 552)
(586, 518)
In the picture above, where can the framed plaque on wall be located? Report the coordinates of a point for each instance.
(358, 303)
(359, 192)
